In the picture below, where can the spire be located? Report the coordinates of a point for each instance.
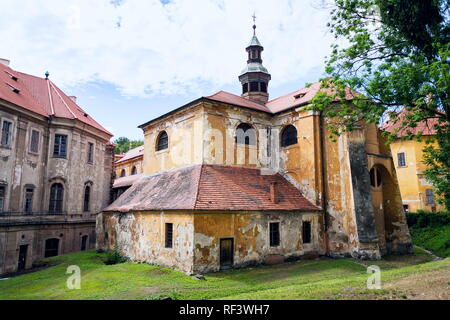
(255, 78)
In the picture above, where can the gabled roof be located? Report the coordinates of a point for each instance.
(210, 187)
(291, 100)
(41, 96)
(132, 153)
(126, 181)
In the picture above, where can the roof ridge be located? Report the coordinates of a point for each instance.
(197, 189)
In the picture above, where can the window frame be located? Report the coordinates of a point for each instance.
(168, 235)
(429, 193)
(53, 203)
(10, 133)
(90, 153)
(403, 159)
(309, 233)
(28, 208)
(283, 141)
(2, 198)
(59, 144)
(274, 241)
(165, 147)
(31, 144)
(87, 202)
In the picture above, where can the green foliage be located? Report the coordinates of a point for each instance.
(399, 59)
(114, 257)
(423, 219)
(123, 144)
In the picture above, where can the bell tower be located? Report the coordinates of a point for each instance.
(255, 77)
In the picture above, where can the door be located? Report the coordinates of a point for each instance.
(84, 243)
(226, 253)
(22, 257)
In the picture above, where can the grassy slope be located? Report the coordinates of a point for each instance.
(435, 239)
(313, 279)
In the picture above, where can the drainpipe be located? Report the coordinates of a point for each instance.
(324, 193)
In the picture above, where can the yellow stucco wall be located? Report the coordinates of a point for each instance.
(128, 166)
(412, 182)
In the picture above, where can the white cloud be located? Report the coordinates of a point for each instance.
(160, 48)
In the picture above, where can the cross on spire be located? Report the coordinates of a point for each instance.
(254, 23)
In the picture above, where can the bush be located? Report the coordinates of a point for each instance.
(114, 257)
(423, 219)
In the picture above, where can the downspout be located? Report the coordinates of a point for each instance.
(324, 190)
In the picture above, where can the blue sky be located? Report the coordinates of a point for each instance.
(129, 61)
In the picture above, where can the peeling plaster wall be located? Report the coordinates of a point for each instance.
(141, 237)
(128, 166)
(184, 129)
(250, 232)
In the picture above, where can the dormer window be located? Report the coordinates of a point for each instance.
(11, 76)
(12, 88)
(299, 96)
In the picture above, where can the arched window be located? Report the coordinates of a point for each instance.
(56, 198)
(122, 173)
(87, 198)
(375, 177)
(133, 171)
(288, 136)
(245, 134)
(162, 142)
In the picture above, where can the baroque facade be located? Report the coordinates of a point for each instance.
(232, 181)
(55, 171)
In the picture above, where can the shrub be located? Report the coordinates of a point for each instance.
(114, 257)
(423, 219)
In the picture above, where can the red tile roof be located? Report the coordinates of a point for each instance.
(126, 181)
(223, 96)
(425, 127)
(211, 187)
(41, 96)
(132, 153)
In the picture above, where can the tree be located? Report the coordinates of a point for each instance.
(123, 144)
(396, 53)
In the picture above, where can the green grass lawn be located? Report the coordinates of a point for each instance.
(434, 238)
(306, 279)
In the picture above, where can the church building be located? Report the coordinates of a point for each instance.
(233, 181)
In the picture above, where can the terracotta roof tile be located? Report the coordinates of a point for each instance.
(425, 127)
(211, 187)
(42, 97)
(132, 153)
(223, 96)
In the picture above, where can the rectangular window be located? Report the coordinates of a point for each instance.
(401, 159)
(274, 234)
(2, 198)
(306, 232)
(29, 200)
(169, 235)
(406, 208)
(60, 147)
(430, 196)
(6, 133)
(34, 141)
(90, 153)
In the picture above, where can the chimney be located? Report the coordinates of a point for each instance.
(4, 62)
(274, 192)
(73, 98)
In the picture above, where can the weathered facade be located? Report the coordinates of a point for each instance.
(337, 211)
(55, 171)
(417, 192)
